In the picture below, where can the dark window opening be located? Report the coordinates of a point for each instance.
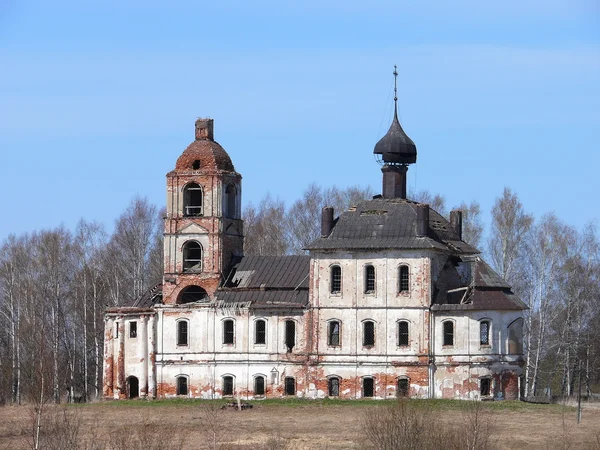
(402, 333)
(484, 332)
(333, 333)
(182, 332)
(192, 199)
(368, 334)
(133, 329)
(515, 337)
(485, 386)
(333, 387)
(403, 279)
(402, 387)
(369, 279)
(290, 335)
(290, 386)
(182, 386)
(192, 294)
(336, 279)
(259, 386)
(368, 387)
(196, 164)
(448, 333)
(227, 385)
(228, 332)
(231, 203)
(192, 257)
(260, 332)
(133, 387)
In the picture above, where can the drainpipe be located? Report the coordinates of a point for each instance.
(431, 354)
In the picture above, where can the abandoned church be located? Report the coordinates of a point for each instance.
(389, 301)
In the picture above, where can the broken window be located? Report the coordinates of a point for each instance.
(192, 294)
(182, 386)
(403, 385)
(290, 386)
(485, 386)
(448, 333)
(133, 387)
(403, 333)
(369, 279)
(227, 385)
(182, 332)
(333, 333)
(196, 164)
(368, 387)
(260, 332)
(333, 387)
(484, 332)
(336, 279)
(230, 201)
(403, 279)
(259, 385)
(228, 332)
(515, 337)
(192, 199)
(368, 333)
(192, 257)
(133, 329)
(290, 335)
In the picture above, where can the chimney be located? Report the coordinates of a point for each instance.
(326, 221)
(422, 220)
(204, 129)
(456, 222)
(394, 181)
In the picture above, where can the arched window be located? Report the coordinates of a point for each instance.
(403, 386)
(192, 257)
(333, 387)
(484, 332)
(192, 294)
(515, 337)
(334, 328)
(335, 286)
(403, 334)
(259, 385)
(290, 386)
(182, 332)
(227, 385)
(368, 333)
(368, 387)
(290, 335)
(231, 201)
(403, 279)
(182, 385)
(448, 333)
(192, 200)
(228, 332)
(369, 279)
(260, 331)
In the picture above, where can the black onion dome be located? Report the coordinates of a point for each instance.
(396, 146)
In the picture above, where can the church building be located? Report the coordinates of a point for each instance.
(389, 301)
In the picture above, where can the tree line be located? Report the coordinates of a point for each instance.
(55, 285)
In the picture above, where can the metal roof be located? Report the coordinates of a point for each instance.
(272, 272)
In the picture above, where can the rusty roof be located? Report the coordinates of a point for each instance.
(390, 223)
(272, 272)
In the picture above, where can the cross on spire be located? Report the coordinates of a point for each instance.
(395, 92)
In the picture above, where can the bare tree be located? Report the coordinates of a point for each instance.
(265, 228)
(435, 201)
(472, 224)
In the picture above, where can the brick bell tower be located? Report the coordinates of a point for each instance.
(203, 228)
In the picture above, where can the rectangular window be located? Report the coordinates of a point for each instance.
(182, 332)
(228, 332)
(290, 335)
(368, 387)
(369, 279)
(484, 332)
(448, 333)
(290, 386)
(336, 279)
(260, 332)
(403, 387)
(368, 334)
(333, 387)
(259, 386)
(182, 386)
(402, 333)
(227, 385)
(133, 329)
(403, 279)
(333, 333)
(485, 386)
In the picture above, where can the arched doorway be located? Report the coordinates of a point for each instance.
(133, 387)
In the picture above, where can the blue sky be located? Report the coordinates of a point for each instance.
(98, 99)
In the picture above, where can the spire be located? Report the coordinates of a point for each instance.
(395, 93)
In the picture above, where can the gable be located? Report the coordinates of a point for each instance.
(193, 228)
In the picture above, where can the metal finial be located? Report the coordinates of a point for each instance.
(395, 92)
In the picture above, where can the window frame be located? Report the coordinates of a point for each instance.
(264, 331)
(185, 379)
(489, 381)
(133, 329)
(185, 259)
(368, 333)
(264, 386)
(226, 378)
(230, 201)
(333, 283)
(404, 281)
(399, 334)
(364, 379)
(228, 335)
(330, 380)
(189, 187)
(330, 325)
(446, 333)
(487, 342)
(370, 279)
(179, 324)
(406, 379)
(286, 337)
(286, 384)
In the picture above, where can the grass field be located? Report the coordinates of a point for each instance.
(294, 424)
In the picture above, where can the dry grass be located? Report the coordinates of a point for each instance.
(294, 425)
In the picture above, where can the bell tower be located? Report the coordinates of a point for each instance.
(203, 234)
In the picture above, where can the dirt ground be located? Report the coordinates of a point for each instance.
(304, 425)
